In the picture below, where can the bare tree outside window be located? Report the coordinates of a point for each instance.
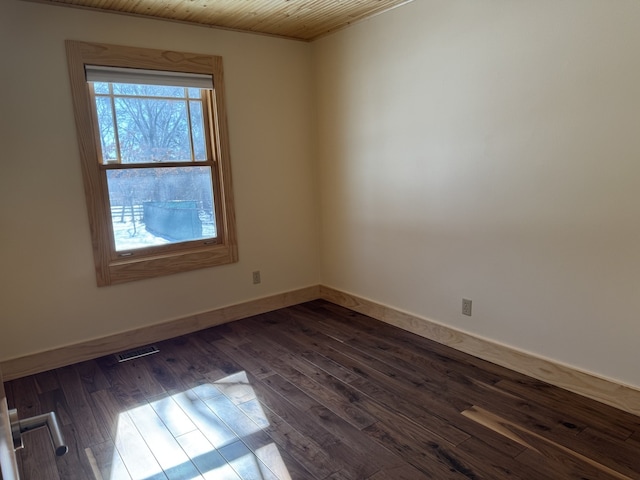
(142, 124)
(156, 162)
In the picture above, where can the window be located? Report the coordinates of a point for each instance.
(154, 148)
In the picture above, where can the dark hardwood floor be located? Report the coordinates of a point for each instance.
(316, 392)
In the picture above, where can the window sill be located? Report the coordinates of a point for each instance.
(132, 269)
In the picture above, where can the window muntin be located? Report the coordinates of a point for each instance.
(140, 126)
(150, 123)
(188, 176)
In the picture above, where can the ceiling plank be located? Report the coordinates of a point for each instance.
(297, 19)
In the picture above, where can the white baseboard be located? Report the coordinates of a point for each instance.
(589, 385)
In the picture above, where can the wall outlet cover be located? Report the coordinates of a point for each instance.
(466, 307)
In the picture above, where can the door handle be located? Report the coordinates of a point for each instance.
(49, 420)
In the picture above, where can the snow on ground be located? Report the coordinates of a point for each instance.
(129, 236)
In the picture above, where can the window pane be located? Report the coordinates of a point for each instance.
(156, 206)
(101, 87)
(148, 90)
(194, 93)
(197, 129)
(152, 130)
(107, 132)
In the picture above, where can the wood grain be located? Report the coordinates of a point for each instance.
(532, 440)
(583, 383)
(163, 260)
(317, 391)
(43, 361)
(302, 20)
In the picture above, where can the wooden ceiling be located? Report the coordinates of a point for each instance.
(297, 19)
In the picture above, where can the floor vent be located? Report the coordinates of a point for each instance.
(136, 353)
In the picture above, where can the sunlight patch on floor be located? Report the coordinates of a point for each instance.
(212, 431)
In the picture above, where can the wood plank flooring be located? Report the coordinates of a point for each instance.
(316, 391)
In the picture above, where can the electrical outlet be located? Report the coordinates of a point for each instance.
(466, 307)
(256, 277)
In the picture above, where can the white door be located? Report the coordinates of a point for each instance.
(8, 464)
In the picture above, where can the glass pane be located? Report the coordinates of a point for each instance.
(101, 87)
(197, 129)
(157, 206)
(148, 90)
(194, 93)
(152, 130)
(107, 132)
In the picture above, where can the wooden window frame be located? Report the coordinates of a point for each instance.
(149, 262)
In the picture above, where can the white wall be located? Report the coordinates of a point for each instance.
(490, 150)
(48, 293)
(480, 149)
